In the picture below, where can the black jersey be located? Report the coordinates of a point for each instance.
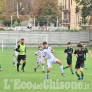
(81, 54)
(86, 50)
(69, 52)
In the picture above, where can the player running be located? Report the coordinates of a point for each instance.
(80, 54)
(39, 59)
(69, 52)
(21, 54)
(48, 54)
(15, 54)
(86, 53)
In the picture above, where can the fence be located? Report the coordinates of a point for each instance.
(53, 38)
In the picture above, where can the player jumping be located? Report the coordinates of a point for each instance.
(69, 51)
(21, 54)
(80, 54)
(48, 54)
(39, 59)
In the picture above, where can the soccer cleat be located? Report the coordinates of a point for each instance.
(46, 79)
(79, 78)
(63, 74)
(72, 73)
(0, 69)
(13, 63)
(82, 78)
(17, 70)
(85, 67)
(43, 71)
(23, 70)
(35, 69)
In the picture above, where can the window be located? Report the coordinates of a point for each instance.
(71, 2)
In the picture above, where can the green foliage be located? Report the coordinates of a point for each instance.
(6, 23)
(77, 9)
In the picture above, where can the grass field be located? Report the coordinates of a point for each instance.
(9, 73)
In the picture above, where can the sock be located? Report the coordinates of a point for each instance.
(0, 66)
(82, 75)
(37, 66)
(14, 59)
(78, 75)
(17, 66)
(43, 68)
(16, 63)
(47, 75)
(84, 65)
(71, 70)
(65, 67)
(23, 65)
(62, 70)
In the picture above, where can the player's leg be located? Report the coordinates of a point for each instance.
(38, 64)
(82, 73)
(48, 70)
(76, 71)
(43, 68)
(61, 67)
(67, 65)
(71, 69)
(85, 65)
(24, 63)
(0, 68)
(18, 63)
(14, 60)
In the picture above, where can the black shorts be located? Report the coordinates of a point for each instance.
(69, 61)
(79, 64)
(21, 57)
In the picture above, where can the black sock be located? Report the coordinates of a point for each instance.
(23, 65)
(17, 66)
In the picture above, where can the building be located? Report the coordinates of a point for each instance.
(70, 19)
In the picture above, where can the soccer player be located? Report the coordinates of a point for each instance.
(21, 54)
(69, 51)
(80, 54)
(15, 54)
(0, 68)
(48, 54)
(39, 59)
(86, 52)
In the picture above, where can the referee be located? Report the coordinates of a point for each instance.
(21, 54)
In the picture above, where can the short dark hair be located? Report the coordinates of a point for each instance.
(84, 44)
(44, 43)
(79, 45)
(22, 39)
(39, 46)
(69, 43)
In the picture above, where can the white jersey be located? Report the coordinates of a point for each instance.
(15, 50)
(48, 54)
(39, 52)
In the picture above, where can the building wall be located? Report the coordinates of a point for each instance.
(69, 17)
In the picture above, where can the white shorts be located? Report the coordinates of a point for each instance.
(39, 61)
(50, 62)
(16, 55)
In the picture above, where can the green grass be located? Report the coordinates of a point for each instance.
(9, 72)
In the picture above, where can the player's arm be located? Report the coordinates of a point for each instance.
(65, 53)
(14, 52)
(90, 54)
(17, 49)
(25, 51)
(37, 54)
(75, 54)
(52, 50)
(43, 58)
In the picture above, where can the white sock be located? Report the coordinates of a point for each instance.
(37, 66)
(62, 70)
(14, 60)
(16, 63)
(43, 68)
(47, 75)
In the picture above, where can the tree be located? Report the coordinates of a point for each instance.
(86, 9)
